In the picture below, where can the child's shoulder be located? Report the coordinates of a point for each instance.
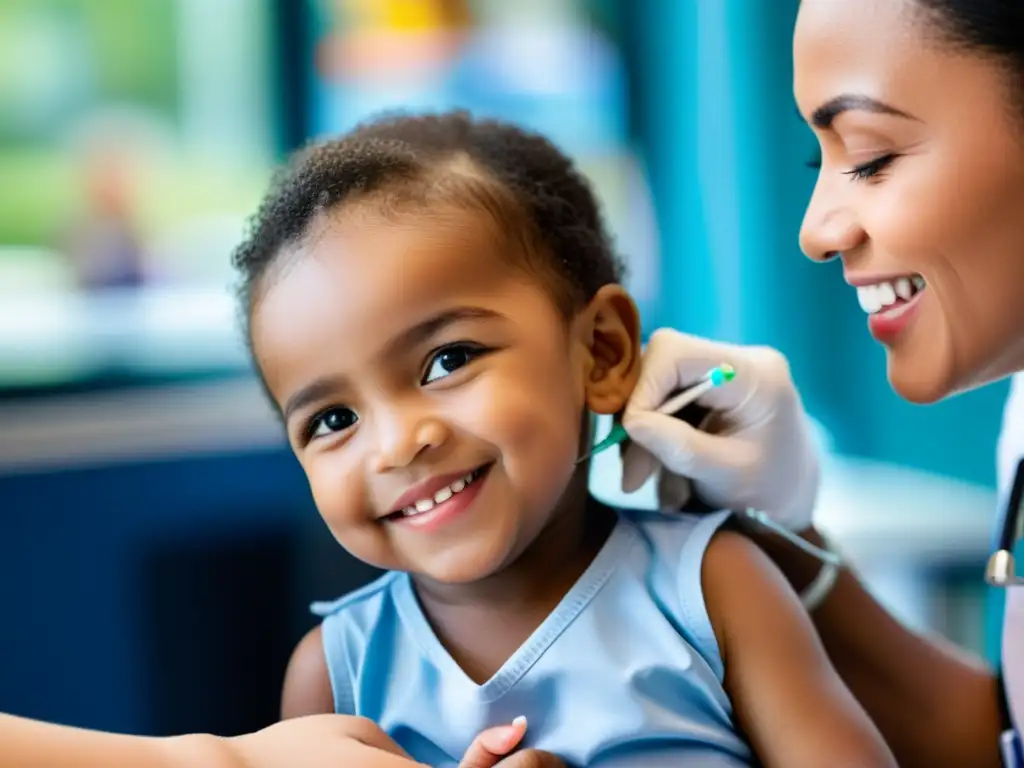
(366, 602)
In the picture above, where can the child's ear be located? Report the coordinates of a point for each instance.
(611, 332)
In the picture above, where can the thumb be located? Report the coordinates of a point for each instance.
(637, 466)
(684, 450)
(493, 744)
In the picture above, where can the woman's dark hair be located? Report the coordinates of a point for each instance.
(529, 187)
(992, 27)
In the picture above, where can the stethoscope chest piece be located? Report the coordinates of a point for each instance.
(1001, 570)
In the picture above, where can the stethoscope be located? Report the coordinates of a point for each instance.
(1001, 568)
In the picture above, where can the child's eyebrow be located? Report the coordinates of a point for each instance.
(425, 329)
(315, 390)
(407, 339)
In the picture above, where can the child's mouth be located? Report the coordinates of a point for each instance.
(442, 496)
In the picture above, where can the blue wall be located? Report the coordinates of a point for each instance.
(160, 597)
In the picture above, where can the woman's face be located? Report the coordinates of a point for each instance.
(921, 189)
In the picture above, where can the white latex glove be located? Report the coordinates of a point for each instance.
(757, 451)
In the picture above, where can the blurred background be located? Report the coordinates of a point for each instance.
(158, 547)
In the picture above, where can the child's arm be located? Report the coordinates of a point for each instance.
(788, 699)
(307, 683)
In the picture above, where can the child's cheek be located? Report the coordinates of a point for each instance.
(341, 499)
(534, 423)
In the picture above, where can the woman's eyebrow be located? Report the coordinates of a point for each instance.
(825, 115)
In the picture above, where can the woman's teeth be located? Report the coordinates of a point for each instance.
(441, 496)
(882, 295)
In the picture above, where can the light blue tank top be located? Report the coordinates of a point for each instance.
(626, 670)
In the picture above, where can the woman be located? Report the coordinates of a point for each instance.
(918, 106)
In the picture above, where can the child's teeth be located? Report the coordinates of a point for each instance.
(425, 505)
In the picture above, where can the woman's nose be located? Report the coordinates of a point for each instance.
(828, 230)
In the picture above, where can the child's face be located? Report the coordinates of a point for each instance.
(432, 391)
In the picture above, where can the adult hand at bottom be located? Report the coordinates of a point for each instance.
(319, 741)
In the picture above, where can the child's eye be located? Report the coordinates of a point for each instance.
(449, 360)
(331, 421)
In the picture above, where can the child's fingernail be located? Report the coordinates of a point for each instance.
(504, 737)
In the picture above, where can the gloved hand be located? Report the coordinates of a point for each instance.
(755, 451)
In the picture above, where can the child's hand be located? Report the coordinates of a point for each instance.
(320, 741)
(532, 758)
(488, 749)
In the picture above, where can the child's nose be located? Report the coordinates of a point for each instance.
(400, 441)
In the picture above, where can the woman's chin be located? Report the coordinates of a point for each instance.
(922, 361)
(921, 379)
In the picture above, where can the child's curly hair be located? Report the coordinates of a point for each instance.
(531, 189)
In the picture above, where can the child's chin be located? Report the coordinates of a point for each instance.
(459, 565)
(458, 573)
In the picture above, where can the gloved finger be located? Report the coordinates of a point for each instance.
(493, 744)
(673, 362)
(637, 466)
(687, 451)
(674, 491)
(758, 369)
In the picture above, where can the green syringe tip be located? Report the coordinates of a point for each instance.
(616, 436)
(723, 374)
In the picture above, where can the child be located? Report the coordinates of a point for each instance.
(434, 306)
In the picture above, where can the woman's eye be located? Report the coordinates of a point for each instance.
(860, 172)
(871, 168)
(334, 420)
(449, 360)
